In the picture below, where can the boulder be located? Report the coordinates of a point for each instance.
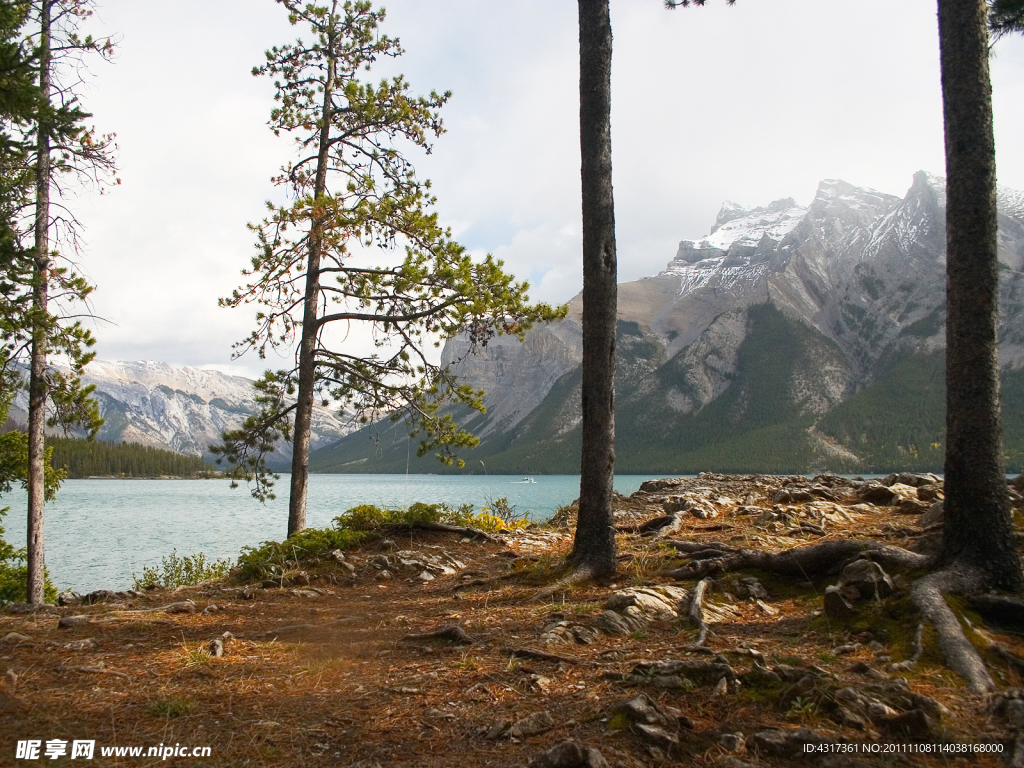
(864, 579)
(877, 494)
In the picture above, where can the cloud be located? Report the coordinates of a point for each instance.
(749, 103)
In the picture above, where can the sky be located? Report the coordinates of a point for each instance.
(749, 103)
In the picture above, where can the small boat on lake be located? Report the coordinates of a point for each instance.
(524, 480)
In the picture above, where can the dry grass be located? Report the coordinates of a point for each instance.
(353, 693)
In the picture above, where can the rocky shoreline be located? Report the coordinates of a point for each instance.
(429, 647)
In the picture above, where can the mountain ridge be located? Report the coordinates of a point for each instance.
(843, 291)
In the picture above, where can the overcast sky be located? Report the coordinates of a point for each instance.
(748, 103)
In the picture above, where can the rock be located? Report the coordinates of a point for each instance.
(20, 609)
(87, 644)
(69, 598)
(650, 603)
(914, 724)
(16, 638)
(270, 584)
(531, 726)
(246, 593)
(640, 709)
(877, 494)
(785, 744)
(691, 503)
(565, 754)
(67, 622)
(750, 588)
(760, 676)
(336, 555)
(559, 629)
(702, 672)
(612, 623)
(732, 742)
(911, 506)
(867, 579)
(721, 687)
(570, 754)
(211, 608)
(216, 647)
(657, 737)
(931, 493)
(497, 730)
(837, 606)
(935, 514)
(912, 479)
(425, 576)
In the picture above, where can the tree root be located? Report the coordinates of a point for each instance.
(915, 657)
(828, 559)
(578, 576)
(805, 563)
(696, 612)
(962, 657)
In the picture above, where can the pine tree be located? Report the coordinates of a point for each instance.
(62, 150)
(354, 194)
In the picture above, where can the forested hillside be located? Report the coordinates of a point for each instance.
(82, 458)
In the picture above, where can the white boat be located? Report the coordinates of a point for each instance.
(524, 480)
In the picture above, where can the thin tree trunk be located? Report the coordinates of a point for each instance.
(978, 532)
(594, 546)
(310, 325)
(37, 372)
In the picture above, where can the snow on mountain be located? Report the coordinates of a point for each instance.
(184, 409)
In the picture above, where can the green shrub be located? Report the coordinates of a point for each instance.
(182, 571)
(272, 558)
(14, 573)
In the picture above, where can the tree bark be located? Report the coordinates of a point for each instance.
(310, 323)
(594, 545)
(978, 531)
(37, 370)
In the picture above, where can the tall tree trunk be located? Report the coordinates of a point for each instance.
(594, 546)
(978, 533)
(37, 371)
(310, 324)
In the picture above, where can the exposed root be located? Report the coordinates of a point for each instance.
(696, 612)
(1001, 609)
(915, 657)
(1008, 656)
(804, 563)
(578, 576)
(961, 656)
(452, 634)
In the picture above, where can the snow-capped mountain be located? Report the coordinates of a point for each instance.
(181, 408)
(797, 319)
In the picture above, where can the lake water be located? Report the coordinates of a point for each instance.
(99, 532)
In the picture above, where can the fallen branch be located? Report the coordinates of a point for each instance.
(452, 633)
(420, 525)
(529, 653)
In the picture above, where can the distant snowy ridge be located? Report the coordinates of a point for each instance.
(184, 409)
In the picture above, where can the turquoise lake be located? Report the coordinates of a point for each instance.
(99, 532)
